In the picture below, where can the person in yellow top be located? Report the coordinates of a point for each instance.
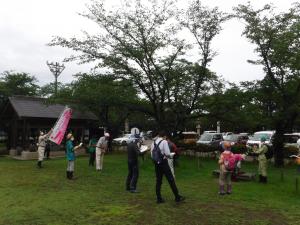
(262, 160)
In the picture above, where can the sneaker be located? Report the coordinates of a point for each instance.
(160, 201)
(180, 199)
(228, 192)
(134, 191)
(222, 193)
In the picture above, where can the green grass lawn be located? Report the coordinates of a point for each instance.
(44, 196)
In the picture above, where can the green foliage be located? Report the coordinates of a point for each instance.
(277, 41)
(196, 147)
(143, 43)
(48, 90)
(239, 149)
(111, 99)
(13, 83)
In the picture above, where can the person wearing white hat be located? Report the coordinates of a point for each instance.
(41, 146)
(101, 148)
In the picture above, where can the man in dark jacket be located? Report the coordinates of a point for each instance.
(162, 167)
(133, 169)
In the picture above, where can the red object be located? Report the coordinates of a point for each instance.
(173, 148)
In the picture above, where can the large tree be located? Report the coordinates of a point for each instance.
(277, 40)
(142, 41)
(15, 83)
(111, 99)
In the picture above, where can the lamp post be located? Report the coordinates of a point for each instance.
(56, 69)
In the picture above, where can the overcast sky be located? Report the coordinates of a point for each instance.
(26, 26)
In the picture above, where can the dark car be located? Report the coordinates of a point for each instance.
(211, 139)
(237, 139)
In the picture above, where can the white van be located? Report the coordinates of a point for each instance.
(255, 139)
(209, 132)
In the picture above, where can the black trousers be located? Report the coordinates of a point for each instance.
(47, 153)
(164, 169)
(92, 158)
(133, 175)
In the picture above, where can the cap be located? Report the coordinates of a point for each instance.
(106, 134)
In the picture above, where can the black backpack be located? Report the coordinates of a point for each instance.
(156, 155)
(269, 154)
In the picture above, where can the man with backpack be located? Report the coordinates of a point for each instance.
(160, 152)
(262, 160)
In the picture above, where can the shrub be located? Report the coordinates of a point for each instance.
(206, 148)
(239, 149)
(197, 147)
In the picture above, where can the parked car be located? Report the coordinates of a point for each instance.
(212, 139)
(291, 139)
(255, 139)
(124, 140)
(190, 137)
(225, 134)
(237, 139)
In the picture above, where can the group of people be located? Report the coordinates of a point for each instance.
(163, 164)
(163, 152)
(228, 162)
(97, 149)
(162, 167)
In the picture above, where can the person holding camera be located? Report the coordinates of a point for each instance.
(101, 148)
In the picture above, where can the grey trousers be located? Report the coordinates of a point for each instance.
(71, 165)
(225, 178)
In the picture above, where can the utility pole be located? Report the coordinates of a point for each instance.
(56, 69)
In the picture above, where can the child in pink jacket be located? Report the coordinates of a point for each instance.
(227, 163)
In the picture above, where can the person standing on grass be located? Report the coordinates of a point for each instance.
(160, 151)
(47, 150)
(227, 163)
(41, 146)
(92, 150)
(133, 151)
(101, 148)
(171, 160)
(70, 150)
(262, 160)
